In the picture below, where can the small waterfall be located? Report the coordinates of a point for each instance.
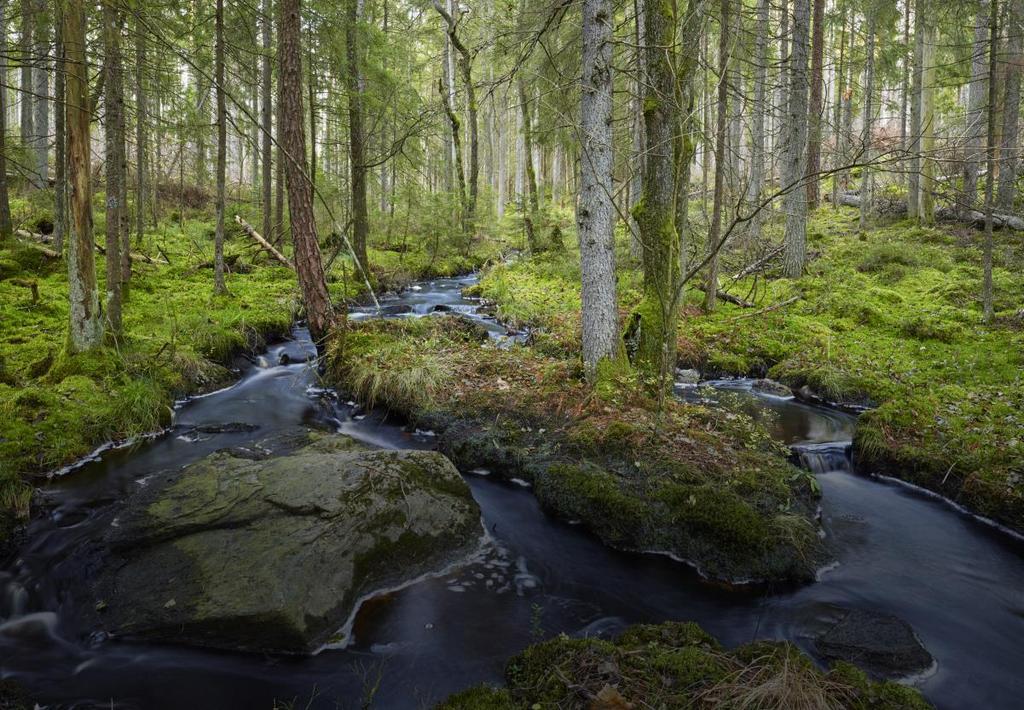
(824, 457)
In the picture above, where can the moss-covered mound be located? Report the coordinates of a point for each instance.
(677, 665)
(707, 486)
(889, 318)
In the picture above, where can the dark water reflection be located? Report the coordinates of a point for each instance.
(959, 583)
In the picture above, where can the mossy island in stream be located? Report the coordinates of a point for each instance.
(708, 487)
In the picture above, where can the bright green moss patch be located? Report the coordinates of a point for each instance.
(890, 318)
(707, 486)
(678, 665)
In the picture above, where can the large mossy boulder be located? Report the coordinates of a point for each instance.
(274, 554)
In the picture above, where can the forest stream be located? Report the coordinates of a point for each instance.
(956, 580)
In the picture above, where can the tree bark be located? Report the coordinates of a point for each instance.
(6, 227)
(929, 160)
(113, 100)
(40, 99)
(756, 184)
(85, 325)
(990, 161)
(465, 63)
(360, 220)
(867, 183)
(26, 84)
(839, 151)
(266, 119)
(308, 266)
(595, 214)
(783, 103)
(714, 231)
(815, 110)
(655, 318)
(976, 110)
(531, 205)
(1011, 105)
(222, 151)
(795, 201)
(636, 160)
(914, 174)
(141, 132)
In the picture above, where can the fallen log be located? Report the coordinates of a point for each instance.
(755, 266)
(30, 238)
(974, 218)
(727, 297)
(267, 246)
(45, 251)
(133, 256)
(768, 309)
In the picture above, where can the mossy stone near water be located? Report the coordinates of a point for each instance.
(274, 554)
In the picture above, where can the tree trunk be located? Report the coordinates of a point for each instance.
(266, 120)
(360, 221)
(756, 184)
(26, 84)
(308, 266)
(839, 151)
(595, 214)
(990, 163)
(113, 100)
(929, 160)
(715, 228)
(40, 100)
(636, 159)
(222, 153)
(784, 83)
(531, 205)
(814, 118)
(914, 173)
(796, 154)
(6, 227)
(141, 132)
(85, 324)
(867, 171)
(465, 63)
(1011, 105)
(976, 110)
(655, 318)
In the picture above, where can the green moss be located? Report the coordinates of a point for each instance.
(678, 665)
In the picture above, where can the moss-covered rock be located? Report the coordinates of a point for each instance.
(678, 665)
(274, 554)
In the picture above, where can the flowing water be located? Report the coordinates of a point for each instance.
(958, 582)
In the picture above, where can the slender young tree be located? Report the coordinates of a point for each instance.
(308, 266)
(714, 232)
(757, 148)
(990, 164)
(976, 113)
(914, 172)
(142, 118)
(595, 213)
(60, 173)
(85, 324)
(867, 182)
(357, 139)
(113, 100)
(6, 228)
(531, 203)
(41, 95)
(1011, 105)
(815, 110)
(795, 201)
(222, 151)
(266, 119)
(929, 161)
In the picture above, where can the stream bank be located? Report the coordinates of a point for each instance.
(955, 582)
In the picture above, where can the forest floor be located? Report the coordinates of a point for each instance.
(178, 338)
(889, 319)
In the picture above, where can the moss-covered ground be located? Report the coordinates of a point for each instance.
(677, 665)
(178, 338)
(707, 486)
(890, 318)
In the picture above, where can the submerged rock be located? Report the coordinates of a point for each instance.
(687, 377)
(880, 644)
(274, 554)
(772, 387)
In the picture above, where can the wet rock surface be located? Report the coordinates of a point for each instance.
(273, 554)
(880, 644)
